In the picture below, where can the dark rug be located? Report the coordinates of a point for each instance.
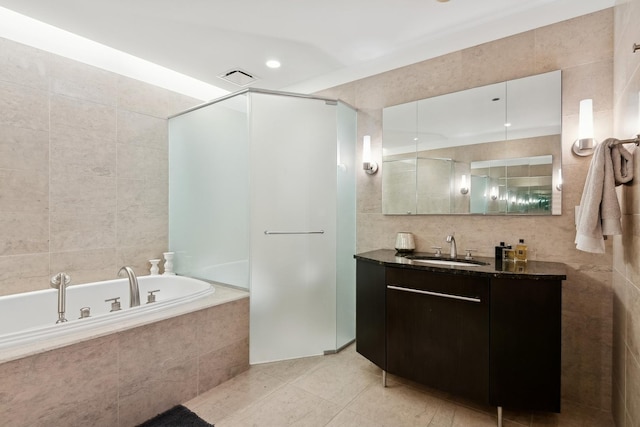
(178, 416)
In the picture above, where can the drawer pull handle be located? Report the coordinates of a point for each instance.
(435, 294)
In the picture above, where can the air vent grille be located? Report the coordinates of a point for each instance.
(238, 77)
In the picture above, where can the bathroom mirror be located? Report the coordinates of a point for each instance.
(451, 154)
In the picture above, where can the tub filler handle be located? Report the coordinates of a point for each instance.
(60, 282)
(115, 304)
(85, 312)
(151, 296)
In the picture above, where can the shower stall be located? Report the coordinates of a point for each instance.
(262, 197)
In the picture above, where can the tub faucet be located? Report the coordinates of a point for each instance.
(454, 250)
(60, 282)
(134, 291)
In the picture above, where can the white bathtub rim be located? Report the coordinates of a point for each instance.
(19, 337)
(25, 348)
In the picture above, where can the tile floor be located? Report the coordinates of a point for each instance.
(345, 390)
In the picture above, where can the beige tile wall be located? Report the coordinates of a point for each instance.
(83, 169)
(626, 265)
(583, 49)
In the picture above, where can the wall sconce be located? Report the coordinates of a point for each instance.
(559, 183)
(368, 165)
(585, 144)
(464, 188)
(494, 193)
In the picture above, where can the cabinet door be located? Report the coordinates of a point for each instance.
(525, 343)
(370, 312)
(438, 331)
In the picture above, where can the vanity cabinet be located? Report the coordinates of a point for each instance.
(486, 335)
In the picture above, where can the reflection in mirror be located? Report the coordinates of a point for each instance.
(521, 186)
(432, 145)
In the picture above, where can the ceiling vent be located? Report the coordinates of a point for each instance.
(238, 77)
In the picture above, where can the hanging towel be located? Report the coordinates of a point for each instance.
(622, 164)
(599, 213)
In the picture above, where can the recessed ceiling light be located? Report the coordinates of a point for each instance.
(273, 63)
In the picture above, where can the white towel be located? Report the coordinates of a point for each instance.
(599, 213)
(622, 164)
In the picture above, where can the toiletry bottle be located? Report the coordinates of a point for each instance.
(499, 255)
(521, 251)
(508, 254)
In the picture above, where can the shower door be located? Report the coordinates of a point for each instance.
(293, 227)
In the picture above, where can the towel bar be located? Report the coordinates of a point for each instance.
(635, 140)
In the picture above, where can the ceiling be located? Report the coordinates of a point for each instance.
(319, 43)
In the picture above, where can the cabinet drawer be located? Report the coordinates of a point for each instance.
(472, 289)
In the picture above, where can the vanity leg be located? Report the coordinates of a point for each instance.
(499, 416)
(384, 378)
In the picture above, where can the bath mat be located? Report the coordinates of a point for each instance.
(178, 416)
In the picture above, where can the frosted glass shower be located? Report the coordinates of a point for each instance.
(262, 197)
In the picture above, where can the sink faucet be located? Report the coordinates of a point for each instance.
(134, 291)
(454, 250)
(60, 282)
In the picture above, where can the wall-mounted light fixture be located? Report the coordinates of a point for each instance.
(585, 144)
(464, 187)
(494, 193)
(368, 165)
(559, 182)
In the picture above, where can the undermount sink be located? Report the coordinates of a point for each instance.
(447, 262)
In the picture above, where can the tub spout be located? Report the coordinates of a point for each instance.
(134, 291)
(60, 282)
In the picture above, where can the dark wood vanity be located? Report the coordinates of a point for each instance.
(492, 336)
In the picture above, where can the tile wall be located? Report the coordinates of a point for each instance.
(583, 49)
(626, 264)
(83, 167)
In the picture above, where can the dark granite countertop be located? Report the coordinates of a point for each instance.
(541, 270)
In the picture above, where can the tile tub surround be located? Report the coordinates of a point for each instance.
(586, 73)
(127, 377)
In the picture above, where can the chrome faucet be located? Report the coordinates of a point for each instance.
(134, 291)
(60, 282)
(454, 250)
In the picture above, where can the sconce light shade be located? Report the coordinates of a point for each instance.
(494, 193)
(559, 183)
(464, 187)
(585, 144)
(368, 165)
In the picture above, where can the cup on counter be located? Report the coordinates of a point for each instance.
(405, 242)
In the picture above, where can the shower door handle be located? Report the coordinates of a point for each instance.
(267, 232)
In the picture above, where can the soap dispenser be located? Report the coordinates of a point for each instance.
(521, 251)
